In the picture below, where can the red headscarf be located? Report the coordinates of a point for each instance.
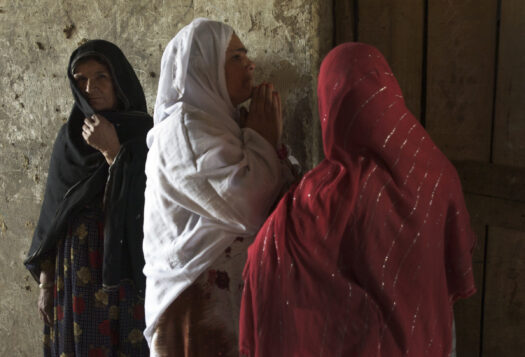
(366, 255)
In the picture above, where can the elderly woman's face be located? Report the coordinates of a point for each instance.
(239, 71)
(95, 82)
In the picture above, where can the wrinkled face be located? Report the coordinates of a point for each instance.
(95, 82)
(239, 71)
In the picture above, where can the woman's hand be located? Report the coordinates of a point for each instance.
(100, 134)
(265, 115)
(46, 297)
(45, 305)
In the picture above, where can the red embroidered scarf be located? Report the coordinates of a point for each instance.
(366, 255)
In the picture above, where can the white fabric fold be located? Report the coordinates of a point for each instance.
(208, 180)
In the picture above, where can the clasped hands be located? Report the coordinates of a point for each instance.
(265, 114)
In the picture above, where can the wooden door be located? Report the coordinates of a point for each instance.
(461, 66)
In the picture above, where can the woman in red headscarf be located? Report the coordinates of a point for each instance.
(368, 253)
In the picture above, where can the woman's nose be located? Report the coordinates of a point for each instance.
(251, 65)
(90, 85)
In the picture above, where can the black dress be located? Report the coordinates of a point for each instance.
(90, 225)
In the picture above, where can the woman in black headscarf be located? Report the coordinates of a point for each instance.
(87, 247)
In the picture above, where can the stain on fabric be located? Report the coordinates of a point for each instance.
(212, 275)
(223, 280)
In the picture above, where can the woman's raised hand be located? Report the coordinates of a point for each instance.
(101, 135)
(265, 115)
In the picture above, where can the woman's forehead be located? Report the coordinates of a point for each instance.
(90, 65)
(235, 43)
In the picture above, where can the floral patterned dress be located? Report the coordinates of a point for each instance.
(89, 321)
(204, 320)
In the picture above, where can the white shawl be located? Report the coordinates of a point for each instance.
(208, 180)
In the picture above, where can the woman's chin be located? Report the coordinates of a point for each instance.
(101, 107)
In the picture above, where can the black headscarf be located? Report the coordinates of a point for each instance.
(79, 173)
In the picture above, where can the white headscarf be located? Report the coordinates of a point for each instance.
(208, 180)
(192, 70)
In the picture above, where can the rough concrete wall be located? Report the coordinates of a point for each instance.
(286, 38)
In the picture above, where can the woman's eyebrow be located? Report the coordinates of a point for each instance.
(241, 49)
(97, 72)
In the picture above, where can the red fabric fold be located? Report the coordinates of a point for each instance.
(366, 255)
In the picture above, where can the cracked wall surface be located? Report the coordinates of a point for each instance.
(286, 39)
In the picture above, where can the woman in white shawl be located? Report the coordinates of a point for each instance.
(212, 175)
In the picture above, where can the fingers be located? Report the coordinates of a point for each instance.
(266, 110)
(47, 317)
(99, 119)
(86, 132)
(278, 99)
(89, 123)
(263, 98)
(268, 98)
(278, 113)
(275, 104)
(243, 116)
(259, 99)
(279, 110)
(255, 93)
(94, 121)
(89, 126)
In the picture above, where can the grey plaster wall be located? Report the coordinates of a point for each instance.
(286, 38)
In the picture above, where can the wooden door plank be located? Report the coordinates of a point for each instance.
(492, 180)
(496, 212)
(504, 310)
(344, 17)
(460, 76)
(509, 124)
(396, 29)
(467, 312)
